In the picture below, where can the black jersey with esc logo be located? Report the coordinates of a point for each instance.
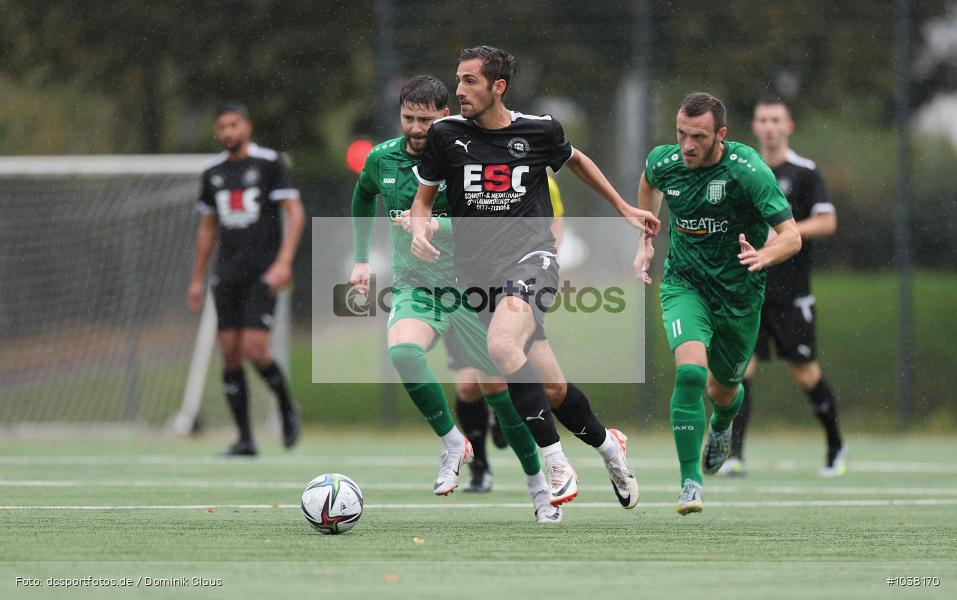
(495, 173)
(807, 194)
(244, 195)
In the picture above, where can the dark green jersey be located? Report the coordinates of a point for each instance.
(710, 207)
(388, 174)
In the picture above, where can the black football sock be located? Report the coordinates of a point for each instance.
(528, 395)
(741, 422)
(473, 417)
(234, 384)
(822, 399)
(273, 377)
(576, 415)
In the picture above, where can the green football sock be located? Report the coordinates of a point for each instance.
(515, 431)
(688, 419)
(723, 416)
(423, 386)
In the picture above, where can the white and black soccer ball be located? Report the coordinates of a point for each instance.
(332, 503)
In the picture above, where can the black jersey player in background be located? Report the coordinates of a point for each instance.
(245, 191)
(494, 161)
(787, 317)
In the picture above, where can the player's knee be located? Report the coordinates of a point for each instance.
(507, 356)
(232, 357)
(691, 377)
(256, 352)
(556, 391)
(806, 375)
(719, 394)
(468, 391)
(407, 359)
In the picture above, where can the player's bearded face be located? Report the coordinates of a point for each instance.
(700, 143)
(474, 91)
(233, 130)
(416, 120)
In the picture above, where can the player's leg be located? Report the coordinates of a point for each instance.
(736, 466)
(229, 316)
(413, 329)
(523, 444)
(809, 376)
(257, 320)
(473, 414)
(511, 328)
(800, 352)
(687, 325)
(728, 357)
(573, 410)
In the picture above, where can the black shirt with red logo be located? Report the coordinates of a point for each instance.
(495, 173)
(244, 196)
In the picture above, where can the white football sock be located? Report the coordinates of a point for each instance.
(536, 483)
(609, 449)
(553, 453)
(454, 440)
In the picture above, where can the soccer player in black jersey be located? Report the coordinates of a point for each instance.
(787, 317)
(493, 162)
(245, 192)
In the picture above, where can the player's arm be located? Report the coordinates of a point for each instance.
(649, 198)
(363, 214)
(206, 236)
(586, 170)
(823, 220)
(785, 243)
(421, 219)
(279, 273)
(820, 225)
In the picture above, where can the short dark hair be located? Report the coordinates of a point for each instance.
(231, 106)
(424, 90)
(496, 64)
(699, 103)
(771, 100)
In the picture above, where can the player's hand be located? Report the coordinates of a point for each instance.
(642, 264)
(642, 220)
(422, 246)
(194, 296)
(749, 257)
(404, 220)
(360, 277)
(277, 276)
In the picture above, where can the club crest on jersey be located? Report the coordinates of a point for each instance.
(518, 147)
(216, 181)
(716, 190)
(251, 177)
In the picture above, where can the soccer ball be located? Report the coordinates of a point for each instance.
(332, 503)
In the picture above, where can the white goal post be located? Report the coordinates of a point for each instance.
(95, 253)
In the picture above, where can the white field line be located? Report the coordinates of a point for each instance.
(792, 490)
(667, 464)
(498, 505)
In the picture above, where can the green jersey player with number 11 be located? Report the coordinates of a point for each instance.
(418, 319)
(723, 199)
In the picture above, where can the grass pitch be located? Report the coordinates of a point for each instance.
(170, 510)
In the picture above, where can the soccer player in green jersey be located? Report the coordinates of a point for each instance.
(723, 200)
(416, 321)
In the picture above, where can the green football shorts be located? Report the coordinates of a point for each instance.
(421, 304)
(730, 340)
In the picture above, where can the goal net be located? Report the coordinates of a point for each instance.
(95, 255)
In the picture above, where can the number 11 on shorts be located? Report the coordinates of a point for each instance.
(676, 328)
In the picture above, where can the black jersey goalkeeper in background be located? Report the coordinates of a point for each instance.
(788, 315)
(245, 192)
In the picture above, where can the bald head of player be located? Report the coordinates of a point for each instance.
(483, 77)
(423, 100)
(233, 127)
(702, 121)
